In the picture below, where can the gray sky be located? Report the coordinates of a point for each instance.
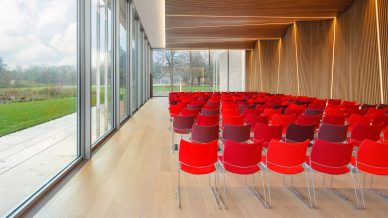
(38, 32)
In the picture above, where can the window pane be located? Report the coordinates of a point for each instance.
(38, 95)
(236, 69)
(200, 70)
(123, 59)
(134, 47)
(101, 96)
(179, 62)
(161, 73)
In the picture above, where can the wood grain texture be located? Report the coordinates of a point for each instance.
(269, 70)
(288, 83)
(356, 67)
(315, 55)
(241, 19)
(383, 21)
(134, 174)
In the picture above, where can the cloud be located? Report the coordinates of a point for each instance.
(38, 32)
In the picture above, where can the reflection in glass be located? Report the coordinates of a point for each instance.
(134, 47)
(123, 59)
(102, 69)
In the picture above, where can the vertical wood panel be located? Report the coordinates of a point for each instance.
(269, 68)
(315, 55)
(383, 21)
(287, 72)
(248, 70)
(356, 69)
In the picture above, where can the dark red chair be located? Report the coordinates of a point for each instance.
(243, 159)
(252, 120)
(181, 125)
(237, 133)
(333, 158)
(194, 107)
(334, 120)
(382, 106)
(287, 159)
(333, 133)
(244, 106)
(313, 112)
(299, 133)
(204, 134)
(208, 112)
(210, 120)
(197, 159)
(267, 133)
(362, 131)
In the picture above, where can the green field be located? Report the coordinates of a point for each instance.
(21, 115)
(160, 88)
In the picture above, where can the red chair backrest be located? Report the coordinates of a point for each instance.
(207, 106)
(198, 154)
(334, 101)
(334, 120)
(270, 112)
(267, 133)
(317, 106)
(187, 112)
(230, 111)
(373, 112)
(309, 120)
(183, 122)
(237, 133)
(241, 155)
(233, 120)
(208, 112)
(297, 106)
(286, 154)
(210, 120)
(331, 155)
(334, 112)
(204, 134)
(355, 119)
(248, 111)
(362, 131)
(380, 119)
(333, 133)
(175, 110)
(252, 120)
(372, 157)
(279, 119)
(386, 134)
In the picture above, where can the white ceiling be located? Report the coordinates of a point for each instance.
(152, 16)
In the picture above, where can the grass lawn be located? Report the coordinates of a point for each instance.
(21, 115)
(159, 88)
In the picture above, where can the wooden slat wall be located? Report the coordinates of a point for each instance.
(288, 83)
(248, 68)
(315, 55)
(356, 67)
(269, 54)
(356, 74)
(383, 21)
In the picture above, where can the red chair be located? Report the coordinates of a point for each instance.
(287, 159)
(270, 112)
(334, 101)
(373, 112)
(334, 120)
(278, 119)
(252, 120)
(204, 134)
(237, 133)
(333, 159)
(187, 112)
(299, 133)
(248, 111)
(208, 112)
(309, 120)
(197, 159)
(386, 134)
(290, 111)
(175, 110)
(207, 106)
(361, 132)
(207, 120)
(313, 112)
(230, 111)
(335, 112)
(267, 133)
(181, 125)
(301, 107)
(243, 159)
(233, 120)
(333, 133)
(317, 106)
(355, 119)
(194, 107)
(380, 119)
(372, 158)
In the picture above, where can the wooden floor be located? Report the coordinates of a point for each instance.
(134, 175)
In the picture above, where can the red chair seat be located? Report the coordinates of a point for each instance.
(370, 169)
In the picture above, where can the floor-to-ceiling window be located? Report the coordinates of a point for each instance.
(38, 95)
(140, 66)
(102, 69)
(123, 58)
(197, 70)
(134, 56)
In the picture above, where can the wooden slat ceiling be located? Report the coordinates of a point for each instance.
(237, 24)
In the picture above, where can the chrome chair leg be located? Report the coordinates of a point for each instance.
(313, 186)
(308, 189)
(179, 187)
(355, 190)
